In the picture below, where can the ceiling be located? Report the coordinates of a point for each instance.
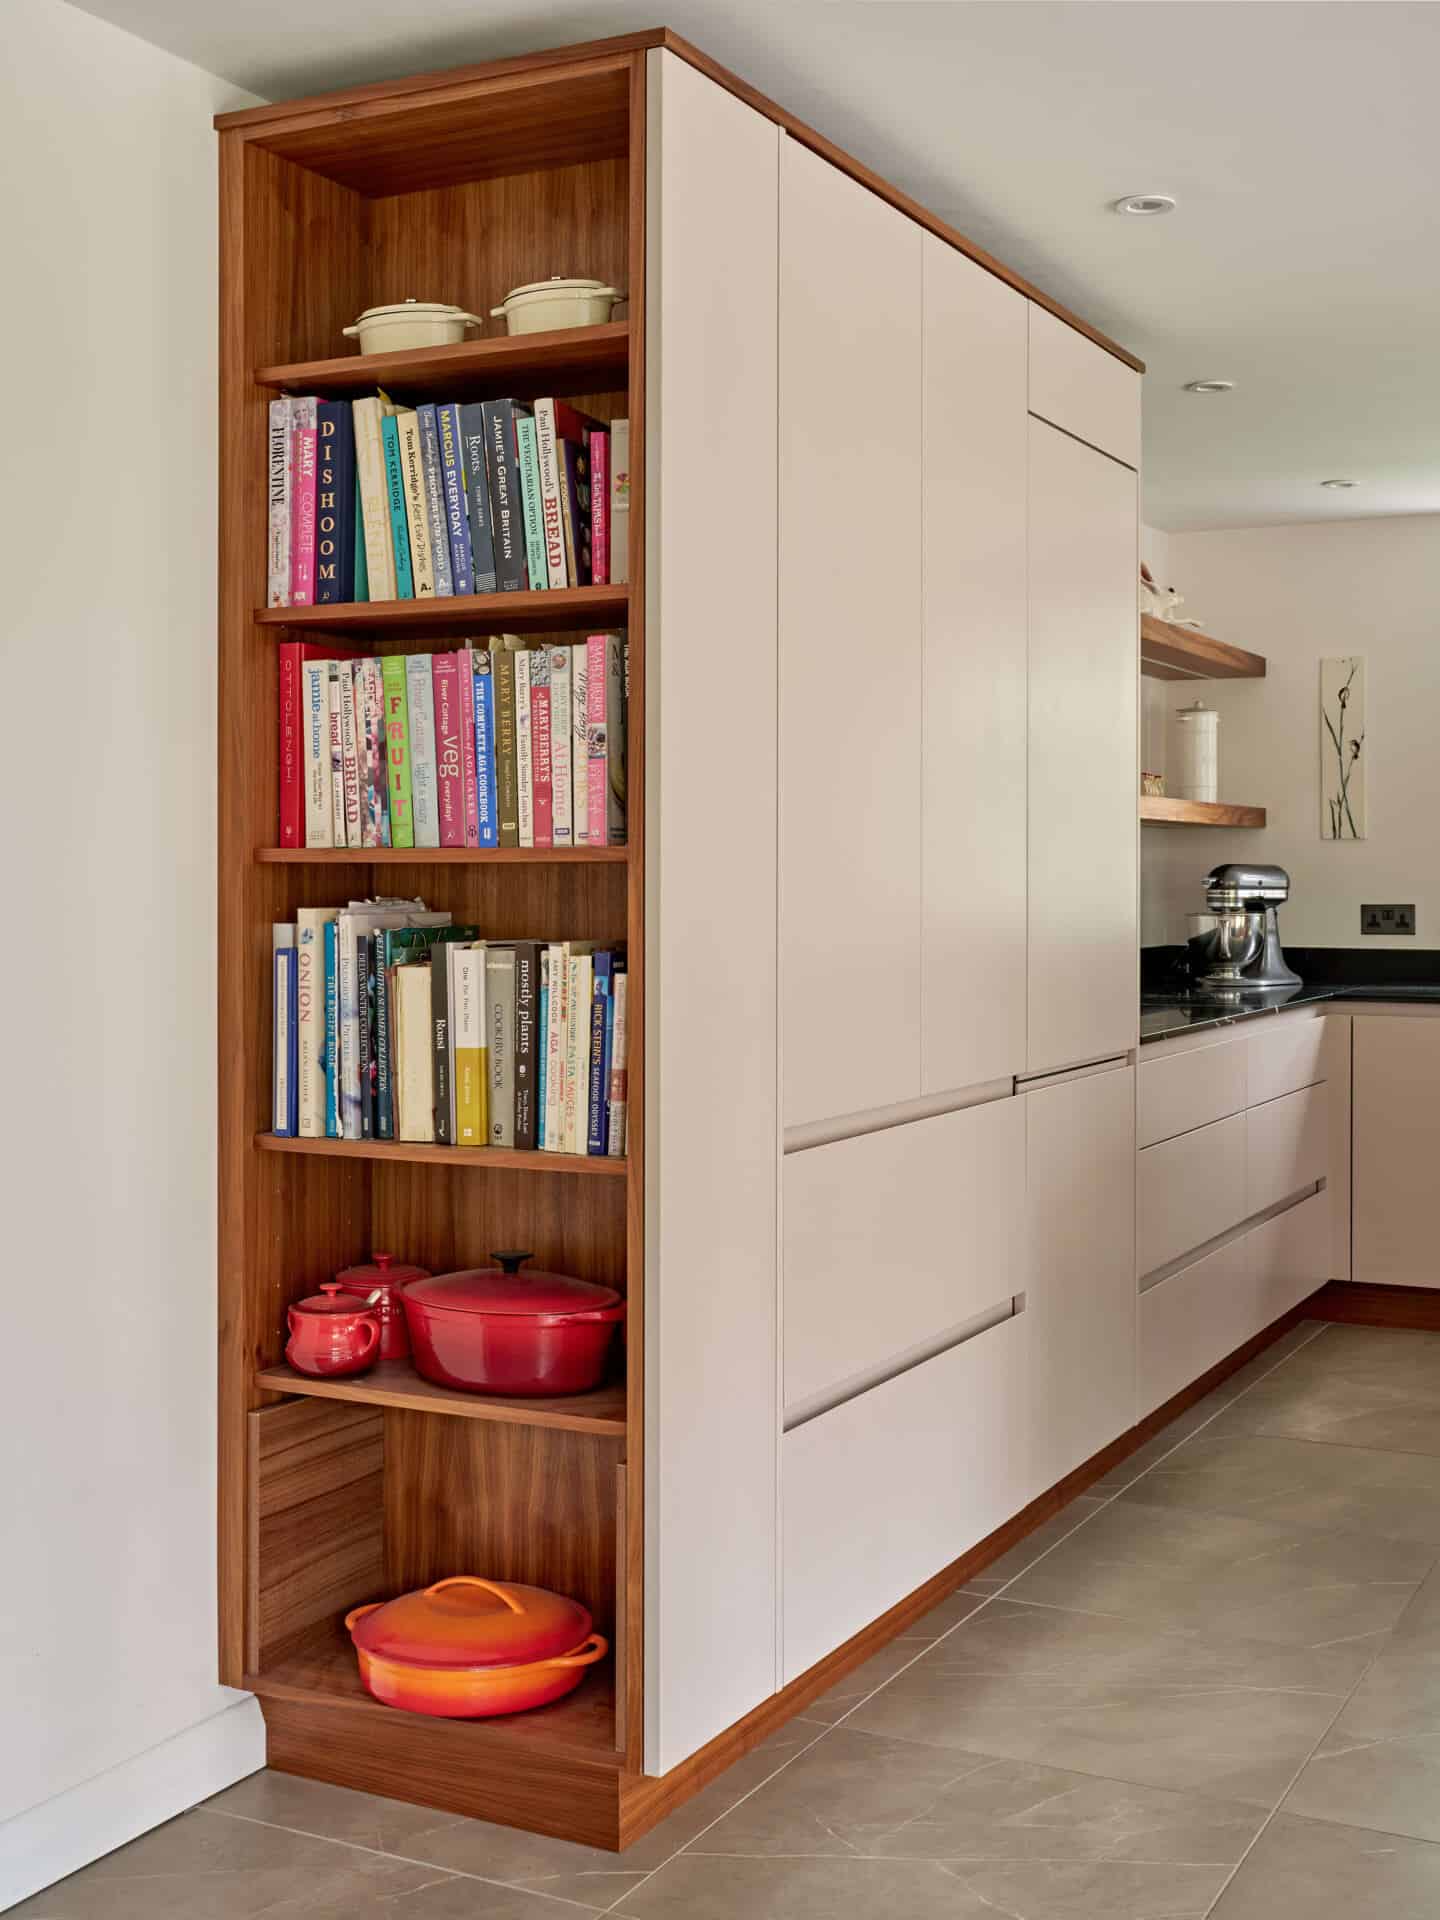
(1300, 140)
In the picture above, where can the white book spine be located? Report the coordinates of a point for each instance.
(579, 746)
(555, 1051)
(278, 552)
(451, 951)
(414, 1053)
(619, 1084)
(281, 1118)
(310, 1017)
(339, 828)
(524, 749)
(374, 506)
(319, 822)
(347, 985)
(424, 777)
(547, 459)
(580, 994)
(619, 502)
(561, 789)
(349, 757)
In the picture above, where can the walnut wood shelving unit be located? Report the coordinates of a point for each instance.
(1168, 652)
(1161, 810)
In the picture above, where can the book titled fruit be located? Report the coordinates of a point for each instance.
(397, 751)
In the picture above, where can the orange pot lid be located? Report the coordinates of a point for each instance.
(468, 1622)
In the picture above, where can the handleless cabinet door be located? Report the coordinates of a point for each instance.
(1083, 814)
(973, 676)
(850, 656)
(1396, 1122)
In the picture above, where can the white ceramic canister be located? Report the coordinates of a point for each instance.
(1197, 758)
(410, 324)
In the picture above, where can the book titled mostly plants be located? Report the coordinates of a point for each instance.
(373, 501)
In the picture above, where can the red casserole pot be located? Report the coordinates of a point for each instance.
(385, 1275)
(497, 1330)
(465, 1648)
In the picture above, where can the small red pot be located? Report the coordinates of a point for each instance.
(497, 1330)
(332, 1333)
(386, 1276)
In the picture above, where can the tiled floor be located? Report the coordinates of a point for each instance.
(1211, 1687)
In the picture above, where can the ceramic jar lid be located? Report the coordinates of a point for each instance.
(382, 1270)
(468, 1622)
(335, 1300)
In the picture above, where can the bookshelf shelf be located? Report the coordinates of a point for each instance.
(441, 856)
(1162, 810)
(566, 608)
(474, 1159)
(1168, 652)
(395, 1383)
(522, 365)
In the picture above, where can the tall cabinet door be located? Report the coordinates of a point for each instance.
(850, 663)
(973, 676)
(1084, 779)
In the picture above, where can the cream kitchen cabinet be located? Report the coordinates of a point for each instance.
(1083, 965)
(1396, 1120)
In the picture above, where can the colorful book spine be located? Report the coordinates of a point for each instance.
(599, 507)
(349, 756)
(561, 790)
(397, 751)
(527, 1040)
(319, 810)
(577, 1053)
(512, 575)
(542, 1070)
(302, 518)
(285, 1086)
(597, 772)
(475, 469)
(372, 475)
(309, 1016)
(365, 964)
(558, 1011)
(507, 804)
(619, 501)
(615, 1118)
(420, 713)
(292, 743)
(617, 709)
(531, 505)
(417, 510)
(384, 1038)
(332, 1031)
(395, 502)
(469, 772)
(334, 502)
(486, 818)
(467, 1010)
(500, 1029)
(450, 777)
(441, 1063)
(599, 1057)
(524, 749)
(547, 452)
(575, 511)
(338, 828)
(579, 744)
(377, 778)
(433, 478)
(542, 773)
(277, 560)
(457, 517)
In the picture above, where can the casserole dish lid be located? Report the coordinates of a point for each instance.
(336, 1300)
(467, 1622)
(382, 1270)
(416, 309)
(505, 1289)
(559, 284)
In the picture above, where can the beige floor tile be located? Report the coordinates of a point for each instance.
(1306, 1870)
(1379, 1356)
(1227, 1574)
(1093, 1694)
(1027, 1551)
(1379, 1766)
(1305, 1404)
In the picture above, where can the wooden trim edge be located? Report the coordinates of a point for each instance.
(646, 1800)
(1362, 1303)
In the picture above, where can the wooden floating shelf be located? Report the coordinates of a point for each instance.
(458, 613)
(1160, 810)
(481, 1159)
(520, 364)
(324, 1670)
(395, 1383)
(1168, 652)
(441, 856)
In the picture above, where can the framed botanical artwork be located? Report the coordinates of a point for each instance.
(1342, 748)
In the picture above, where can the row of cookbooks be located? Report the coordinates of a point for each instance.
(393, 1023)
(498, 744)
(374, 501)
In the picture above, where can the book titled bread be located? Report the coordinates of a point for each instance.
(350, 757)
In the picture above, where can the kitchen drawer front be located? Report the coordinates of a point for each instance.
(882, 1492)
(1287, 1056)
(1192, 1320)
(1083, 390)
(1291, 1256)
(1188, 1191)
(1288, 1147)
(1187, 1091)
(893, 1238)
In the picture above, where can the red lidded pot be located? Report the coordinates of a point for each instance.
(498, 1330)
(332, 1333)
(385, 1275)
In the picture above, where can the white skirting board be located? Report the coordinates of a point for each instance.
(63, 1834)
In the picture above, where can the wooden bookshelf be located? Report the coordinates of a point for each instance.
(565, 607)
(1159, 810)
(421, 1154)
(1168, 652)
(441, 856)
(522, 365)
(395, 1383)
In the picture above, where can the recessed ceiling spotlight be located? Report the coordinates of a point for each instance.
(1339, 483)
(1144, 203)
(1209, 386)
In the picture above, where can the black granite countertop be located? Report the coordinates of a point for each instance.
(1170, 1004)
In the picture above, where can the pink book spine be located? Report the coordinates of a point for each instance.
(541, 777)
(466, 676)
(600, 508)
(302, 524)
(597, 776)
(449, 769)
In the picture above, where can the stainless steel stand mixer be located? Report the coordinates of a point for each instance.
(1243, 948)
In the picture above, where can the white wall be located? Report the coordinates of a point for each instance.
(107, 1421)
(1297, 594)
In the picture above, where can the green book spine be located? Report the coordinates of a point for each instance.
(362, 566)
(399, 519)
(530, 504)
(397, 751)
(507, 772)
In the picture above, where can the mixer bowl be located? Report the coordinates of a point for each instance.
(1232, 944)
